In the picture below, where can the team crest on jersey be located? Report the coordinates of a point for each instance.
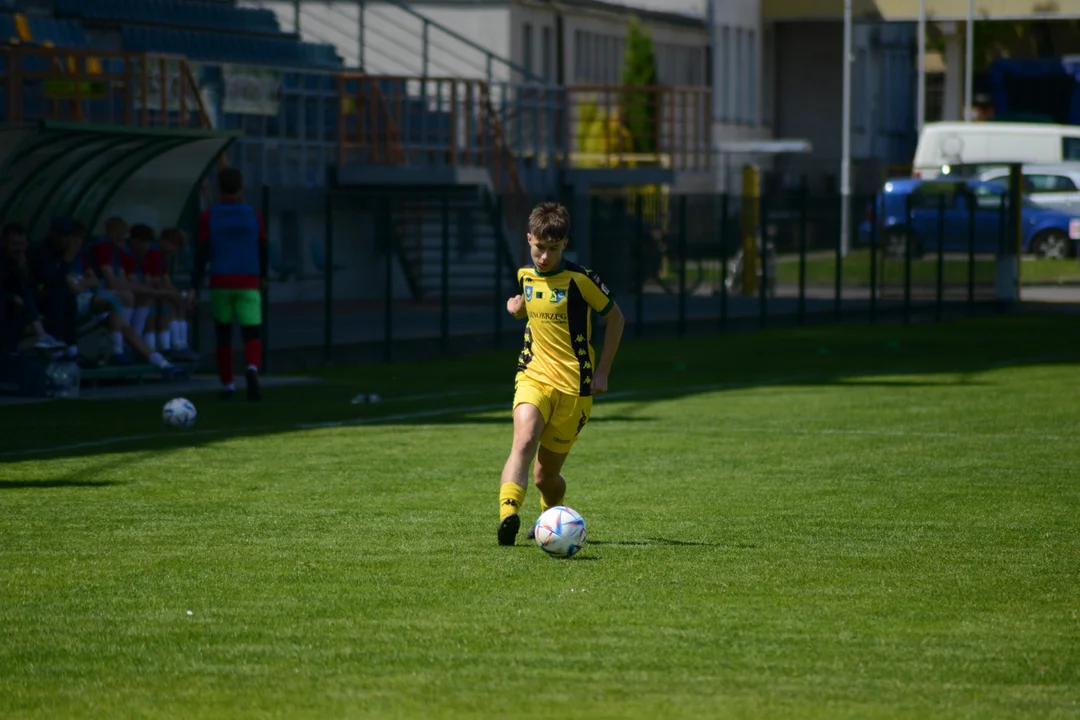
(528, 292)
(557, 296)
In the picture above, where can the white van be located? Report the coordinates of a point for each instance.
(943, 144)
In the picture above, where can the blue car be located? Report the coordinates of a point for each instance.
(1046, 233)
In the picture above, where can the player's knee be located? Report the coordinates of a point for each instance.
(525, 444)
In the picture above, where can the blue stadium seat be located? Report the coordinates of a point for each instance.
(62, 33)
(179, 13)
(281, 52)
(8, 32)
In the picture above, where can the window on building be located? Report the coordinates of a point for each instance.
(547, 56)
(724, 74)
(527, 48)
(751, 78)
(579, 56)
(768, 42)
(620, 50)
(740, 74)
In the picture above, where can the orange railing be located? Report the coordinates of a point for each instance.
(115, 88)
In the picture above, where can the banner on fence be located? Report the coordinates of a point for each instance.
(250, 91)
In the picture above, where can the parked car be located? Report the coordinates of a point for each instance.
(1054, 186)
(1046, 232)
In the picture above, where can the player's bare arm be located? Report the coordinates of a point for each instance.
(614, 322)
(516, 307)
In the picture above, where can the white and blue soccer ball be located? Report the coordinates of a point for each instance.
(179, 412)
(560, 531)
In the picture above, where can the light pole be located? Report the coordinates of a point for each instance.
(920, 50)
(969, 61)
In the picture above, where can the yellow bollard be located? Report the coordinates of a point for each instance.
(751, 208)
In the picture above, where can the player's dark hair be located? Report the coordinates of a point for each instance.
(231, 181)
(550, 221)
(11, 230)
(115, 223)
(142, 232)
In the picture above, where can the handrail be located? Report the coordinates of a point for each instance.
(428, 22)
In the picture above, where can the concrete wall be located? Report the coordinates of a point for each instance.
(809, 96)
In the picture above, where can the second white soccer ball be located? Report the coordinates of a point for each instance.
(179, 412)
(560, 531)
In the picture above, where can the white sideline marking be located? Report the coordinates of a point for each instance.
(620, 394)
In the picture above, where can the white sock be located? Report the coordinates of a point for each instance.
(118, 343)
(150, 339)
(138, 320)
(164, 340)
(128, 313)
(228, 386)
(181, 336)
(174, 332)
(252, 367)
(158, 361)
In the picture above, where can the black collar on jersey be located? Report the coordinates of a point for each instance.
(556, 271)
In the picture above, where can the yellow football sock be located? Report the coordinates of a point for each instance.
(551, 501)
(511, 498)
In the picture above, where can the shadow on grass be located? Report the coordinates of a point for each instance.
(857, 358)
(42, 484)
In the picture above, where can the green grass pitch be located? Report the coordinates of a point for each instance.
(871, 522)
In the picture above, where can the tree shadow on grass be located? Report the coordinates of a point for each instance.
(859, 359)
(58, 483)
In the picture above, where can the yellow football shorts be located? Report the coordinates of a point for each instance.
(564, 414)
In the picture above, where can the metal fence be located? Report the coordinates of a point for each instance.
(389, 276)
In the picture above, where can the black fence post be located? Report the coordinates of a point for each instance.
(971, 254)
(873, 259)
(907, 259)
(723, 261)
(265, 210)
(444, 276)
(838, 271)
(594, 207)
(682, 266)
(500, 301)
(328, 282)
(940, 297)
(388, 285)
(763, 260)
(640, 237)
(803, 223)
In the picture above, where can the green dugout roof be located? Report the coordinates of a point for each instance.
(91, 172)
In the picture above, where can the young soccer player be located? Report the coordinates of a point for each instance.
(558, 373)
(232, 239)
(149, 275)
(173, 241)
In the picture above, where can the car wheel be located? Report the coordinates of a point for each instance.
(1052, 245)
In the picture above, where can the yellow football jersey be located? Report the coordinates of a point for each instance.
(558, 348)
